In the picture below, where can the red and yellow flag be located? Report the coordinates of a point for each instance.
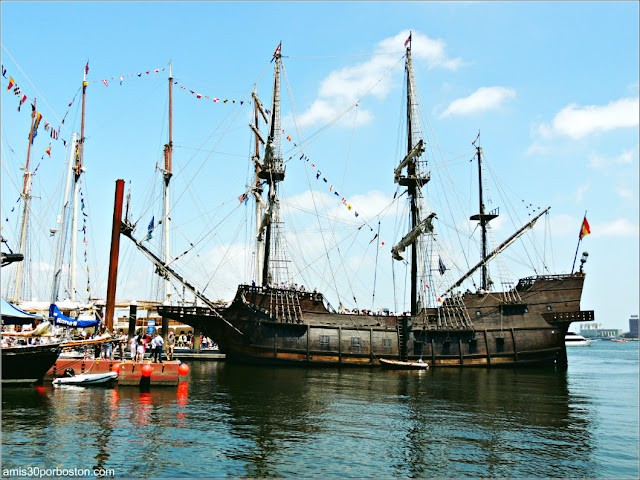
(585, 229)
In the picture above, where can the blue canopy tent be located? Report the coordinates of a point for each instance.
(12, 315)
(60, 319)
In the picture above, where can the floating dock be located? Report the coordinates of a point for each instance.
(131, 373)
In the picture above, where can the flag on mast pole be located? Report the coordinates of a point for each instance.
(584, 229)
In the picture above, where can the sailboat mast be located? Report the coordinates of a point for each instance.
(62, 221)
(77, 169)
(168, 152)
(411, 173)
(26, 200)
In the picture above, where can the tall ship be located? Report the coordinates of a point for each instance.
(272, 320)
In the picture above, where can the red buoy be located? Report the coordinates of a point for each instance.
(115, 368)
(183, 369)
(147, 370)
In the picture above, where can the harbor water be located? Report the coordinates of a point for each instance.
(232, 421)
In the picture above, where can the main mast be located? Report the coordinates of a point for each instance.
(273, 172)
(167, 173)
(414, 180)
(26, 199)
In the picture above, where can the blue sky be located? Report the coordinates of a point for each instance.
(552, 86)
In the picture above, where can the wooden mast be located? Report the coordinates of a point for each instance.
(484, 219)
(167, 173)
(113, 256)
(26, 199)
(257, 191)
(411, 172)
(78, 169)
(273, 170)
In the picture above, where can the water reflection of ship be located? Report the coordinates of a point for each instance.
(476, 421)
(480, 422)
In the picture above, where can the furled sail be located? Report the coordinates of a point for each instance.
(425, 225)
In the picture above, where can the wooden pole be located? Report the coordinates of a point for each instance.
(113, 256)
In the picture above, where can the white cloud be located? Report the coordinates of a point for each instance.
(483, 99)
(621, 227)
(599, 161)
(342, 88)
(577, 122)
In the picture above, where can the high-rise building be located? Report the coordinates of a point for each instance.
(633, 326)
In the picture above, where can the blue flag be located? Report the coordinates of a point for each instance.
(441, 266)
(150, 228)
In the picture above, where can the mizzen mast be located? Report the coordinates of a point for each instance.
(484, 219)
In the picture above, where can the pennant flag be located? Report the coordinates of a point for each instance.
(277, 52)
(35, 127)
(4, 72)
(585, 229)
(376, 236)
(357, 214)
(24, 99)
(331, 188)
(407, 41)
(105, 82)
(11, 83)
(86, 69)
(49, 150)
(150, 228)
(441, 267)
(318, 175)
(243, 197)
(47, 126)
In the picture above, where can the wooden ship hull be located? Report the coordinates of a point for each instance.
(268, 330)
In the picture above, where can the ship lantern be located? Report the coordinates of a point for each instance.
(583, 260)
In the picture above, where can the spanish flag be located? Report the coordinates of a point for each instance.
(585, 229)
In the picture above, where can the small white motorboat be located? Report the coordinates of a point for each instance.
(86, 379)
(572, 339)
(399, 365)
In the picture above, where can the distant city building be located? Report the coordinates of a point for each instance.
(633, 326)
(596, 330)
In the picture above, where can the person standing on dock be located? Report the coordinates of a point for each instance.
(171, 342)
(133, 344)
(157, 351)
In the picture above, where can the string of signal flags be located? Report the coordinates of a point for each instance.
(13, 87)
